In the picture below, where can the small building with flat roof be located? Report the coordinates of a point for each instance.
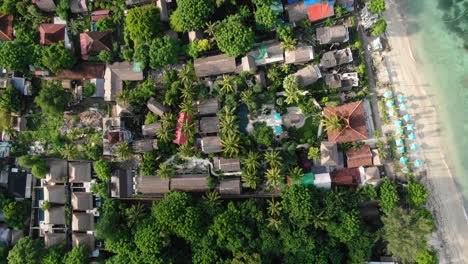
(150, 130)
(121, 185)
(302, 54)
(335, 58)
(267, 52)
(55, 215)
(144, 145)
(83, 239)
(82, 201)
(54, 194)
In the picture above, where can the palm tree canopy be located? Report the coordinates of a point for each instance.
(333, 123)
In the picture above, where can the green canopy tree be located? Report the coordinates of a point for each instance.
(165, 171)
(233, 38)
(388, 196)
(291, 89)
(379, 28)
(377, 6)
(417, 193)
(53, 99)
(252, 160)
(263, 134)
(151, 238)
(36, 163)
(78, 255)
(405, 234)
(143, 24)
(124, 151)
(10, 100)
(265, 18)
(26, 251)
(14, 55)
(163, 51)
(56, 57)
(191, 15)
(250, 178)
(102, 169)
(63, 9)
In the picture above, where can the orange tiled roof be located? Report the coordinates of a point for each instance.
(355, 122)
(6, 27)
(360, 157)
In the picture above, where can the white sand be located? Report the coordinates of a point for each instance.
(452, 226)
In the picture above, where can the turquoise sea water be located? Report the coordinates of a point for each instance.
(439, 39)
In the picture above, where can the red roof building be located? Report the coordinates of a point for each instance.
(181, 138)
(6, 27)
(320, 11)
(83, 71)
(359, 157)
(355, 127)
(92, 43)
(115, 137)
(51, 33)
(345, 177)
(99, 14)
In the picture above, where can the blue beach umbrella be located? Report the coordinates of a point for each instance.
(410, 127)
(391, 112)
(403, 160)
(390, 103)
(388, 94)
(418, 163)
(399, 131)
(401, 98)
(398, 123)
(414, 146)
(399, 142)
(412, 136)
(403, 107)
(407, 117)
(401, 150)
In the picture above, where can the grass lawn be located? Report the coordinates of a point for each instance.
(308, 133)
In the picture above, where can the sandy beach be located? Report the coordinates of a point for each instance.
(409, 79)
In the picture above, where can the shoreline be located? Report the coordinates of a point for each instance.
(445, 196)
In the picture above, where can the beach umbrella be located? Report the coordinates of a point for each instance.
(401, 98)
(399, 142)
(398, 123)
(418, 163)
(403, 160)
(391, 112)
(401, 149)
(412, 136)
(390, 103)
(399, 131)
(388, 94)
(403, 107)
(410, 127)
(414, 146)
(407, 117)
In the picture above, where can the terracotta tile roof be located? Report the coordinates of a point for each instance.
(6, 27)
(355, 122)
(181, 138)
(360, 157)
(99, 14)
(51, 33)
(92, 43)
(346, 176)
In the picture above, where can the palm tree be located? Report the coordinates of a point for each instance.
(231, 144)
(314, 153)
(188, 128)
(319, 221)
(274, 177)
(273, 158)
(134, 214)
(291, 89)
(187, 107)
(250, 178)
(274, 223)
(124, 151)
(165, 135)
(274, 208)
(227, 124)
(295, 173)
(333, 123)
(187, 92)
(211, 28)
(187, 150)
(212, 199)
(167, 119)
(187, 74)
(289, 44)
(228, 84)
(165, 171)
(123, 97)
(251, 161)
(69, 152)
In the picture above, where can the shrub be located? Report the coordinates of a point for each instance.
(417, 193)
(379, 28)
(191, 15)
(233, 38)
(388, 196)
(89, 89)
(102, 169)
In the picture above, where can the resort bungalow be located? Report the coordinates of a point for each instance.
(58, 171)
(55, 215)
(82, 222)
(6, 27)
(302, 54)
(54, 194)
(335, 58)
(354, 122)
(114, 76)
(308, 75)
(214, 65)
(121, 185)
(211, 145)
(345, 81)
(181, 137)
(45, 5)
(151, 185)
(207, 107)
(156, 107)
(208, 125)
(346, 177)
(93, 43)
(83, 239)
(359, 157)
(370, 175)
(267, 52)
(78, 6)
(230, 186)
(333, 34)
(190, 183)
(82, 201)
(329, 154)
(144, 145)
(150, 130)
(53, 33)
(79, 171)
(54, 239)
(226, 165)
